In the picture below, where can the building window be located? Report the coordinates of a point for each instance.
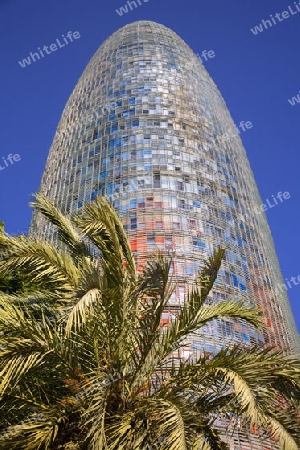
(168, 243)
(182, 203)
(180, 186)
(181, 291)
(198, 243)
(192, 224)
(149, 202)
(156, 180)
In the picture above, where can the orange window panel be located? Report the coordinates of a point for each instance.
(133, 244)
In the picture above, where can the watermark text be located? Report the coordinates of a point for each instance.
(9, 160)
(278, 17)
(49, 48)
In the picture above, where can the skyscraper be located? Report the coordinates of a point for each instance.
(147, 127)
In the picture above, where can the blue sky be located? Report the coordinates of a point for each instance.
(256, 75)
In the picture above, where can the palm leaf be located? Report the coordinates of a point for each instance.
(67, 233)
(99, 221)
(47, 268)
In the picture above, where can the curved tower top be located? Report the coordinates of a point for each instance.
(147, 127)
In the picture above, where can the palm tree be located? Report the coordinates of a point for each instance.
(86, 363)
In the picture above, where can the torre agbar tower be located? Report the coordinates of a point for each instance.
(145, 126)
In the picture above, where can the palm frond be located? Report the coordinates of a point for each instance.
(67, 232)
(46, 267)
(94, 415)
(168, 423)
(83, 308)
(99, 221)
(208, 273)
(38, 431)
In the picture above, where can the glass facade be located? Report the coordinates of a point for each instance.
(146, 126)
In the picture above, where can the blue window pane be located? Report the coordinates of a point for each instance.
(246, 337)
(235, 280)
(198, 243)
